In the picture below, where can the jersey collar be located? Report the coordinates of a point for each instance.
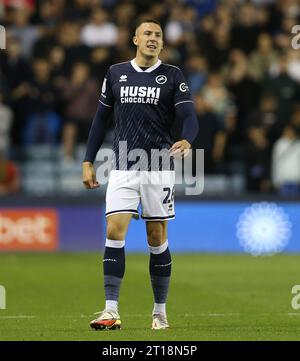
(149, 70)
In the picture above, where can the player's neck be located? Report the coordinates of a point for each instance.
(145, 62)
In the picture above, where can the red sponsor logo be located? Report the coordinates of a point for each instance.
(28, 229)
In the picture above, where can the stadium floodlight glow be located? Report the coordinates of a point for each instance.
(263, 229)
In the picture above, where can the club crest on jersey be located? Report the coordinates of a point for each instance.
(123, 78)
(161, 79)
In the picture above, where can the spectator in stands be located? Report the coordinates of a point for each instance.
(266, 118)
(125, 13)
(202, 7)
(79, 11)
(246, 30)
(211, 136)
(68, 37)
(196, 69)
(204, 34)
(80, 96)
(171, 55)
(49, 14)
(6, 116)
(245, 90)
(223, 14)
(263, 17)
(283, 37)
(16, 73)
(100, 31)
(220, 101)
(43, 124)
(295, 119)
(14, 67)
(263, 129)
(218, 51)
(100, 61)
(57, 57)
(286, 162)
(174, 32)
(26, 33)
(280, 84)
(262, 58)
(293, 68)
(9, 176)
(123, 49)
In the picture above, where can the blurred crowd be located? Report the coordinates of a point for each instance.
(237, 57)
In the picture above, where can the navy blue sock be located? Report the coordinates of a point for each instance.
(114, 269)
(160, 272)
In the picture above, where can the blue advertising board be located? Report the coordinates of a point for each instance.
(206, 226)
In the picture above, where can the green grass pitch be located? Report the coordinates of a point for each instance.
(212, 297)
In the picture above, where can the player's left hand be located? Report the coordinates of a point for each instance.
(181, 148)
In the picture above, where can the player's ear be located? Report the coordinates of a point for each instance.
(134, 39)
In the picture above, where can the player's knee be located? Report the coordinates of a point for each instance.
(156, 233)
(155, 238)
(115, 231)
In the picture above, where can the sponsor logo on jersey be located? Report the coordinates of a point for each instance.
(123, 78)
(161, 79)
(139, 94)
(183, 87)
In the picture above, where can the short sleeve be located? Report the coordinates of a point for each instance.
(182, 93)
(106, 97)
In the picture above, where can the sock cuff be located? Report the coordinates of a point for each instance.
(159, 249)
(159, 308)
(114, 244)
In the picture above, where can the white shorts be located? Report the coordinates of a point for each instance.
(154, 190)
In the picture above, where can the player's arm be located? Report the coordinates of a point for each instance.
(186, 114)
(95, 140)
(97, 132)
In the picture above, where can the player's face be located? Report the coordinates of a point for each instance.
(149, 39)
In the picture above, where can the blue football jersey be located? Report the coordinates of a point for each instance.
(144, 104)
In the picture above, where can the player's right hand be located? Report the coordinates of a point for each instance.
(89, 176)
